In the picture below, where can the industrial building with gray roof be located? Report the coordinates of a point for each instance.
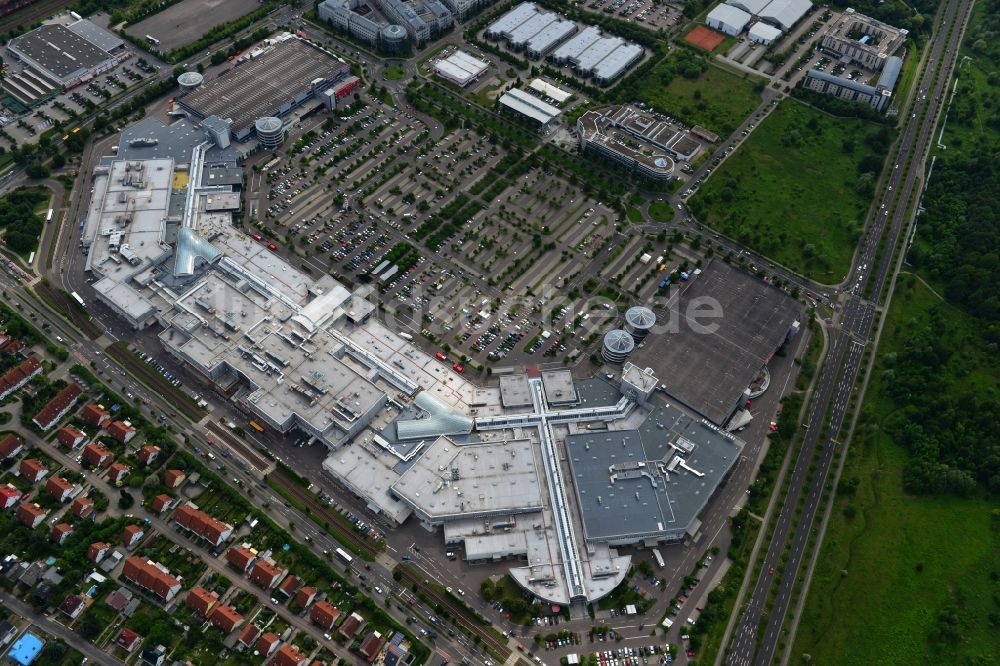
(707, 362)
(285, 74)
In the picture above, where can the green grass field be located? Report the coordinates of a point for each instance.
(896, 569)
(393, 73)
(792, 190)
(716, 100)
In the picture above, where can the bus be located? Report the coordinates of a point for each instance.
(343, 554)
(48, 217)
(76, 297)
(658, 558)
(270, 165)
(152, 40)
(256, 426)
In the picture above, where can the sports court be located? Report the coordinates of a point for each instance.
(704, 38)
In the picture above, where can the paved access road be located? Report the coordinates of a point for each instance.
(840, 372)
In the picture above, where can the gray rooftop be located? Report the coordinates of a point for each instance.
(708, 371)
(174, 141)
(59, 50)
(559, 387)
(629, 486)
(96, 35)
(450, 481)
(514, 390)
(260, 87)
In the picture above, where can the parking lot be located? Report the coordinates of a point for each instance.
(25, 128)
(647, 13)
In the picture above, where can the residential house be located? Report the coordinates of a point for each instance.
(18, 376)
(118, 472)
(71, 437)
(173, 478)
(153, 655)
(351, 626)
(82, 507)
(131, 535)
(119, 599)
(60, 532)
(240, 557)
(202, 525)
(152, 577)
(148, 454)
(9, 496)
(371, 646)
(10, 446)
(72, 606)
(268, 643)
(30, 514)
(201, 601)
(288, 655)
(95, 415)
(305, 596)
(324, 614)
(225, 618)
(57, 407)
(97, 551)
(290, 585)
(122, 431)
(96, 455)
(59, 488)
(160, 503)
(33, 470)
(266, 574)
(128, 640)
(249, 635)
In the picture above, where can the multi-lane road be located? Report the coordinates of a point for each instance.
(839, 374)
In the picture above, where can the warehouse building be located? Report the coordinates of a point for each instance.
(56, 56)
(547, 91)
(781, 14)
(282, 75)
(539, 33)
(728, 19)
(708, 366)
(862, 40)
(878, 96)
(529, 106)
(460, 68)
(763, 33)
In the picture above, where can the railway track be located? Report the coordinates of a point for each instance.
(241, 448)
(344, 533)
(26, 15)
(458, 612)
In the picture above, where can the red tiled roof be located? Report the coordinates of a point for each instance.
(240, 557)
(289, 585)
(201, 600)
(249, 634)
(146, 574)
(9, 445)
(31, 468)
(324, 614)
(201, 523)
(225, 618)
(160, 502)
(95, 549)
(304, 596)
(120, 430)
(172, 478)
(127, 639)
(351, 625)
(288, 655)
(82, 506)
(61, 531)
(117, 471)
(371, 646)
(94, 414)
(265, 574)
(96, 455)
(57, 406)
(58, 487)
(9, 493)
(131, 532)
(267, 642)
(68, 436)
(28, 513)
(18, 376)
(147, 453)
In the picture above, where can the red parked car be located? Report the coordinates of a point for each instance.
(255, 236)
(440, 356)
(458, 368)
(272, 247)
